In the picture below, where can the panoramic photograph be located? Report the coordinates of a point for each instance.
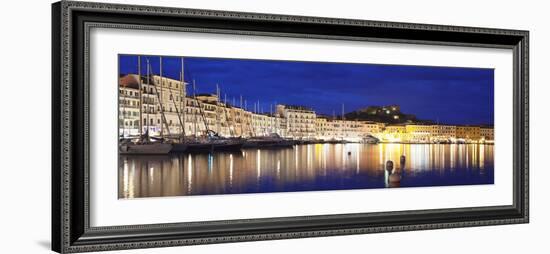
(192, 125)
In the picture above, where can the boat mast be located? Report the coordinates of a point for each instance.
(225, 112)
(160, 97)
(250, 120)
(176, 106)
(218, 103)
(184, 92)
(343, 123)
(163, 117)
(260, 111)
(276, 118)
(195, 103)
(227, 118)
(271, 118)
(241, 116)
(148, 109)
(123, 109)
(140, 99)
(200, 110)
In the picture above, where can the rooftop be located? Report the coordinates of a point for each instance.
(129, 81)
(297, 107)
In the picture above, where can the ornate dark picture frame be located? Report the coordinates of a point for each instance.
(71, 22)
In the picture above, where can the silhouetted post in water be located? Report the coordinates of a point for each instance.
(389, 167)
(395, 176)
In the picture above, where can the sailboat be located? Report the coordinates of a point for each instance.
(211, 141)
(181, 146)
(145, 144)
(369, 139)
(271, 141)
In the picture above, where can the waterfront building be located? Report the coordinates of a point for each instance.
(129, 103)
(167, 110)
(163, 103)
(300, 121)
(164, 107)
(329, 129)
(210, 113)
(350, 130)
(170, 98)
(236, 121)
(230, 121)
(334, 129)
(441, 133)
(468, 133)
(262, 125)
(487, 133)
(393, 133)
(194, 123)
(371, 128)
(323, 129)
(419, 133)
(248, 130)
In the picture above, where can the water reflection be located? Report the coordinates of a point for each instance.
(304, 168)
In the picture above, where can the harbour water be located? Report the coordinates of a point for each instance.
(312, 167)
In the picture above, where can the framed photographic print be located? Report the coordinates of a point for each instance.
(181, 126)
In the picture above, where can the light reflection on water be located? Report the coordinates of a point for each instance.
(304, 168)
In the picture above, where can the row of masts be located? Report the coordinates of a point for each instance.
(183, 102)
(181, 116)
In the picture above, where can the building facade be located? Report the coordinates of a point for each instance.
(419, 133)
(300, 121)
(487, 133)
(162, 108)
(129, 104)
(468, 133)
(444, 133)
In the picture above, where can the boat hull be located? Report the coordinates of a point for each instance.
(229, 146)
(199, 148)
(160, 148)
(179, 148)
(269, 144)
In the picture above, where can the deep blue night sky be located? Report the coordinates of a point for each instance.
(444, 94)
